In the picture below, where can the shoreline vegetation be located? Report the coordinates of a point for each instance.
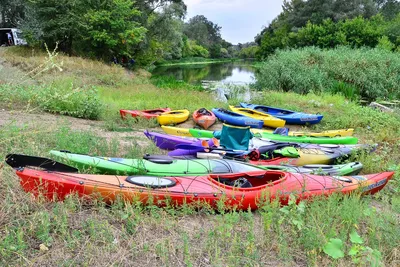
(195, 61)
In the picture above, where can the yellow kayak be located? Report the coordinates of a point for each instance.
(173, 117)
(176, 131)
(268, 120)
(333, 133)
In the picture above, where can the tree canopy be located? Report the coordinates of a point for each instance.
(329, 23)
(146, 30)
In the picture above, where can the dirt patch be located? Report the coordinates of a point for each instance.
(52, 121)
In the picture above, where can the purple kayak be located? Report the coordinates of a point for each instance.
(168, 142)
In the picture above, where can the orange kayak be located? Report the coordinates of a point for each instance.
(236, 190)
(204, 117)
(148, 113)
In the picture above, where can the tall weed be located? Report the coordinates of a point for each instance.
(371, 73)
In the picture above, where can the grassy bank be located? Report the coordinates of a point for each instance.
(196, 60)
(81, 232)
(367, 73)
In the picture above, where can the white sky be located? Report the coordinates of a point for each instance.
(241, 20)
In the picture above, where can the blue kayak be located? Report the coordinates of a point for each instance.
(291, 117)
(236, 119)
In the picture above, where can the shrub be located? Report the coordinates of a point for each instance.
(57, 98)
(75, 102)
(372, 73)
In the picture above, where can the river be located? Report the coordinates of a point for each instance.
(238, 72)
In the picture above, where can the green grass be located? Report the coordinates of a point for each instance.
(81, 232)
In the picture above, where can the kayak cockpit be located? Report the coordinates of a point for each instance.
(249, 181)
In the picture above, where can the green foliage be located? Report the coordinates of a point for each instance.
(371, 73)
(62, 98)
(109, 27)
(334, 248)
(249, 52)
(203, 31)
(385, 44)
(191, 49)
(71, 101)
(327, 24)
(11, 12)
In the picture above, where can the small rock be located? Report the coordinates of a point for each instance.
(43, 247)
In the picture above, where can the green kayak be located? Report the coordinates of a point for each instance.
(345, 140)
(166, 166)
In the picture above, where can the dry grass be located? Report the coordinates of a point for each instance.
(85, 71)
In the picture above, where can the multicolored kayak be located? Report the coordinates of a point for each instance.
(330, 133)
(346, 140)
(147, 114)
(173, 117)
(291, 117)
(189, 167)
(233, 118)
(204, 118)
(269, 121)
(239, 190)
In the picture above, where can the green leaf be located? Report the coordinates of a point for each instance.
(354, 250)
(285, 210)
(334, 248)
(355, 238)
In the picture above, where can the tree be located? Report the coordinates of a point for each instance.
(389, 8)
(109, 29)
(164, 38)
(205, 32)
(11, 12)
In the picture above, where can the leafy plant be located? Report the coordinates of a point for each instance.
(358, 252)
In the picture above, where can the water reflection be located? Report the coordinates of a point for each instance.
(232, 72)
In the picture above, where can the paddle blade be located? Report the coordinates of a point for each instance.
(21, 161)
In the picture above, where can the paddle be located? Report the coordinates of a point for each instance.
(20, 161)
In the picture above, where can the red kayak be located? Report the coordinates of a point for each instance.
(238, 190)
(204, 118)
(148, 113)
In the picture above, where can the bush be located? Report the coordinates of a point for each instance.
(373, 73)
(57, 98)
(75, 102)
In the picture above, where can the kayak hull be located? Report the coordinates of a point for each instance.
(173, 117)
(208, 190)
(291, 117)
(205, 121)
(147, 114)
(236, 119)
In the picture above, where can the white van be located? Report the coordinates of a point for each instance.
(16, 37)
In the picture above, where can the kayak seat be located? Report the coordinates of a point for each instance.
(159, 159)
(150, 181)
(239, 183)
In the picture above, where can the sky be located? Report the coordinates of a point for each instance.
(241, 20)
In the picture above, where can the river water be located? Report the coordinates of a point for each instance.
(239, 72)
